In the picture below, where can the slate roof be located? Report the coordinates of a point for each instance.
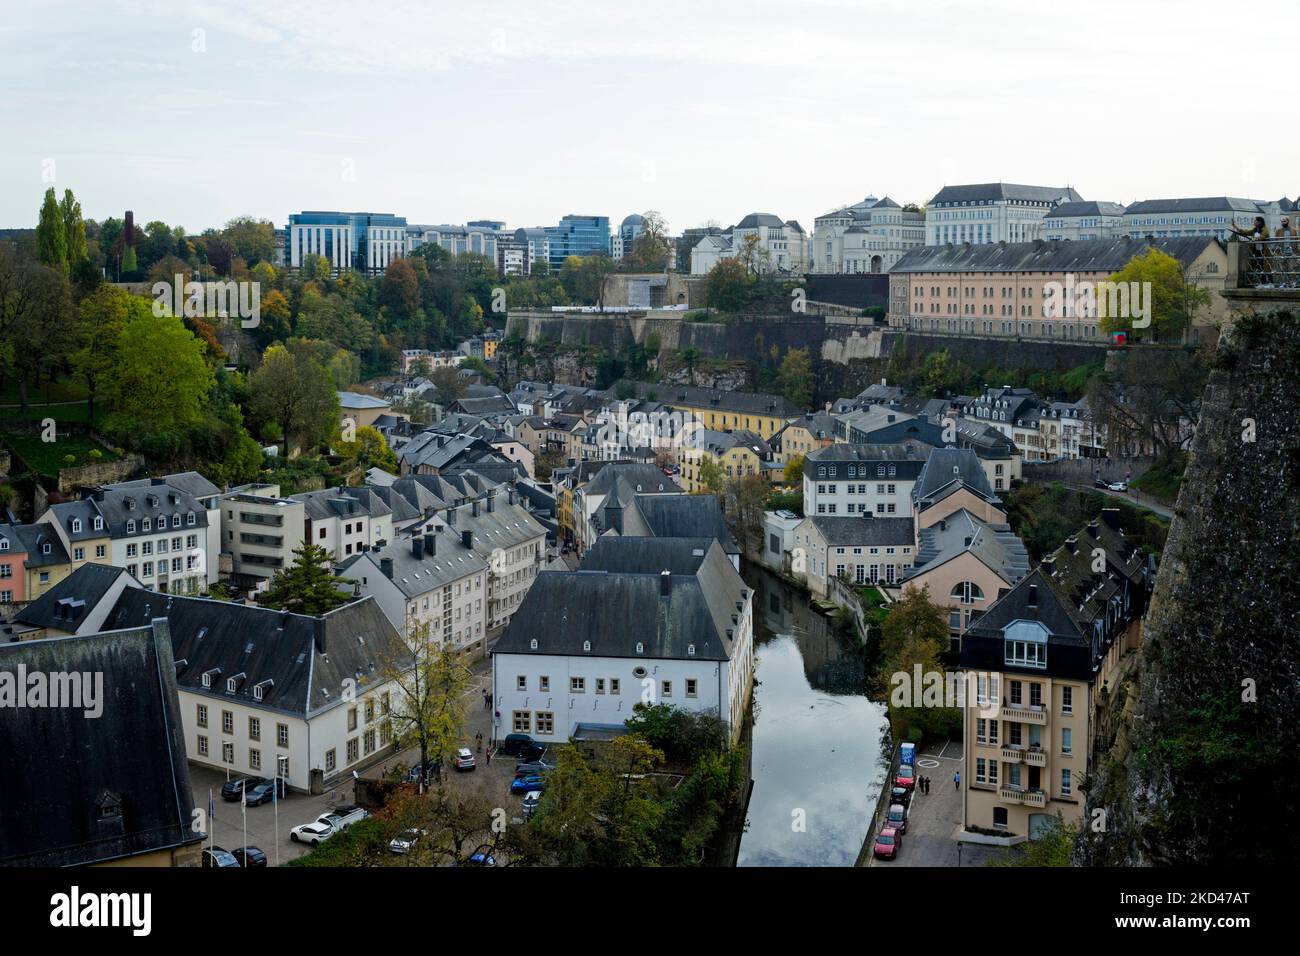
(358, 400)
(744, 403)
(645, 479)
(911, 454)
(615, 611)
(449, 561)
(342, 503)
(962, 532)
(686, 516)
(34, 538)
(1070, 210)
(647, 555)
(843, 531)
(948, 469)
(1092, 255)
(76, 790)
(1147, 207)
(300, 661)
(994, 192)
(818, 424)
(66, 605)
(756, 219)
(190, 482)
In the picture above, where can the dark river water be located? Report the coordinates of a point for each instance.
(817, 764)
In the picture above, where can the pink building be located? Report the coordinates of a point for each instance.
(13, 576)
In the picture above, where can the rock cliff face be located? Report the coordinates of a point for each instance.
(1200, 757)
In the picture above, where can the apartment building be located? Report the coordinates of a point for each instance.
(260, 531)
(1198, 216)
(992, 212)
(722, 410)
(343, 520)
(876, 479)
(1046, 658)
(1083, 221)
(587, 646)
(802, 436)
(429, 580)
(588, 490)
(863, 549)
(736, 454)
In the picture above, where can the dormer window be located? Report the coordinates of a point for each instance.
(640, 648)
(4, 544)
(261, 688)
(189, 519)
(208, 675)
(690, 650)
(532, 645)
(99, 523)
(176, 521)
(146, 524)
(230, 686)
(76, 525)
(130, 526)
(47, 548)
(586, 645)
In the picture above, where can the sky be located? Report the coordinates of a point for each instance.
(527, 110)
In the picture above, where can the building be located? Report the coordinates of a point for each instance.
(664, 516)
(1046, 657)
(803, 436)
(479, 238)
(869, 479)
(14, 555)
(44, 561)
(863, 549)
(1083, 221)
(735, 454)
(622, 242)
(430, 580)
(260, 532)
(362, 410)
(345, 521)
(577, 236)
(869, 236)
(1017, 290)
(538, 243)
(722, 410)
(346, 240)
(587, 646)
(992, 212)
(1202, 216)
(109, 791)
(621, 479)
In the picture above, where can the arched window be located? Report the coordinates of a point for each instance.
(967, 592)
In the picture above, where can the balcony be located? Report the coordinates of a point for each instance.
(1026, 715)
(1034, 756)
(1028, 798)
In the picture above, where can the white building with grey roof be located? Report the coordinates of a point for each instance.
(589, 645)
(992, 212)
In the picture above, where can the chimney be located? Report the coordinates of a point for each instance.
(665, 583)
(474, 508)
(386, 566)
(1111, 517)
(319, 624)
(451, 517)
(490, 502)
(467, 539)
(1049, 565)
(430, 544)
(417, 548)
(1093, 528)
(968, 541)
(1072, 545)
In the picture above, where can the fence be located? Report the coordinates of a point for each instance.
(1272, 264)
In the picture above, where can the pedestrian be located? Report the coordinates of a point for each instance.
(956, 780)
(489, 755)
(925, 784)
(478, 740)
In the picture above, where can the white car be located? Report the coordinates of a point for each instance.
(403, 842)
(464, 759)
(312, 833)
(343, 817)
(1118, 486)
(531, 799)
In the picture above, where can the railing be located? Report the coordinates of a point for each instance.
(1271, 264)
(1024, 714)
(1029, 798)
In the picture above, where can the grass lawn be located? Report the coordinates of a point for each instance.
(47, 458)
(65, 390)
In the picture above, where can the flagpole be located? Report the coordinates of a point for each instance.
(243, 805)
(212, 820)
(275, 805)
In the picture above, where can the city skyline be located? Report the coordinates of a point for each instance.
(698, 114)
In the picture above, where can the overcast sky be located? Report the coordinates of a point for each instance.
(525, 110)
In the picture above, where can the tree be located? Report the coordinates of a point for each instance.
(103, 317)
(651, 249)
(370, 450)
(307, 586)
(746, 499)
(35, 318)
(451, 387)
(728, 286)
(1173, 300)
(74, 230)
(51, 234)
(753, 255)
(252, 240)
(711, 476)
(796, 377)
(296, 392)
(914, 633)
(400, 289)
(689, 357)
(429, 710)
(794, 471)
(1148, 400)
(274, 322)
(160, 379)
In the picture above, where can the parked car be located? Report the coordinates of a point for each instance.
(896, 818)
(343, 817)
(1118, 486)
(216, 856)
(482, 857)
(464, 759)
(531, 799)
(404, 841)
(263, 791)
(532, 766)
(432, 770)
(906, 777)
(516, 744)
(900, 795)
(524, 784)
(1101, 483)
(249, 856)
(312, 833)
(887, 845)
(234, 788)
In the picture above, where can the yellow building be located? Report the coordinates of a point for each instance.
(736, 454)
(719, 410)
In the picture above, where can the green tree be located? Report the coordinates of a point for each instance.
(1173, 300)
(451, 387)
(728, 286)
(690, 357)
(160, 378)
(307, 586)
(103, 317)
(74, 230)
(711, 476)
(914, 633)
(370, 450)
(796, 377)
(794, 471)
(35, 319)
(51, 234)
(295, 391)
(252, 240)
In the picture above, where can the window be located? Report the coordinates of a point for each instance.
(100, 551)
(254, 728)
(545, 723)
(78, 554)
(1067, 740)
(1067, 700)
(577, 685)
(201, 714)
(254, 759)
(521, 682)
(522, 721)
(203, 746)
(368, 740)
(227, 722)
(1065, 783)
(331, 760)
(666, 688)
(282, 735)
(600, 685)
(227, 753)
(352, 720)
(354, 750)
(692, 686)
(613, 685)
(967, 592)
(1000, 817)
(543, 683)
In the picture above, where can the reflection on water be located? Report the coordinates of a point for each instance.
(816, 737)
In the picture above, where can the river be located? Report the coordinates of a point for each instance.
(816, 736)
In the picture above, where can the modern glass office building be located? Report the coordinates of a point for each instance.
(577, 236)
(347, 240)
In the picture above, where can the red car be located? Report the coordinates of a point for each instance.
(906, 777)
(888, 843)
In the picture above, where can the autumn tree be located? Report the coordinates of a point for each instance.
(368, 450)
(1173, 300)
(296, 392)
(728, 286)
(914, 633)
